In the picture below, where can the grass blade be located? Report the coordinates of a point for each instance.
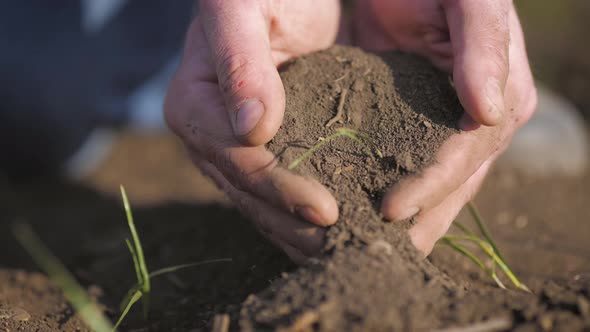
(298, 161)
(464, 251)
(145, 280)
(461, 249)
(464, 228)
(171, 269)
(354, 135)
(482, 227)
(135, 262)
(489, 250)
(58, 273)
(135, 296)
(165, 270)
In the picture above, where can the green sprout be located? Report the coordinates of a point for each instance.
(489, 247)
(87, 310)
(352, 134)
(142, 289)
(81, 302)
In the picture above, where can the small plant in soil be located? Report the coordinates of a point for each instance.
(352, 134)
(487, 245)
(142, 289)
(75, 293)
(59, 274)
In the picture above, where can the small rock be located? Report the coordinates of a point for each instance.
(405, 161)
(546, 322)
(348, 168)
(358, 85)
(521, 222)
(380, 247)
(503, 218)
(16, 314)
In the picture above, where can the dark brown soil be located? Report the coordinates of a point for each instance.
(370, 277)
(542, 226)
(85, 228)
(407, 108)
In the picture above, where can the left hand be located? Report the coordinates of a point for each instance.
(482, 45)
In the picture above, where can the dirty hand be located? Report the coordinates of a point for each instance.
(481, 44)
(227, 100)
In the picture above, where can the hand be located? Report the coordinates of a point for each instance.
(481, 44)
(227, 100)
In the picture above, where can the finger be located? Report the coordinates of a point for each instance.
(238, 36)
(194, 111)
(480, 37)
(458, 158)
(199, 120)
(296, 237)
(431, 225)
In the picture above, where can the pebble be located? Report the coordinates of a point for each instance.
(16, 314)
(546, 322)
(521, 222)
(380, 247)
(358, 85)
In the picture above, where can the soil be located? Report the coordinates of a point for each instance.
(369, 277)
(542, 225)
(407, 109)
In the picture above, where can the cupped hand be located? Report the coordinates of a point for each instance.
(481, 44)
(227, 99)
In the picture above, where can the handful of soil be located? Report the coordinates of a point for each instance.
(358, 122)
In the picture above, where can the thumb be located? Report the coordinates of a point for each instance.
(480, 38)
(238, 34)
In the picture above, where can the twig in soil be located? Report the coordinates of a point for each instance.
(492, 325)
(352, 134)
(220, 323)
(57, 272)
(340, 78)
(488, 246)
(339, 110)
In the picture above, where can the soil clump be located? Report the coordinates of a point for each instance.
(400, 109)
(370, 276)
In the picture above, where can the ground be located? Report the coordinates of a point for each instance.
(542, 225)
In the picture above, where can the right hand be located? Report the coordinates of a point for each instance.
(227, 100)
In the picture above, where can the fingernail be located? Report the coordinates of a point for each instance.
(247, 117)
(495, 95)
(309, 214)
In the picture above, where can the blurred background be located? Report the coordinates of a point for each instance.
(79, 76)
(77, 72)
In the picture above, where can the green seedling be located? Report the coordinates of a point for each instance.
(352, 134)
(77, 296)
(142, 289)
(87, 310)
(488, 246)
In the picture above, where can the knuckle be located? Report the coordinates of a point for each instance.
(235, 71)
